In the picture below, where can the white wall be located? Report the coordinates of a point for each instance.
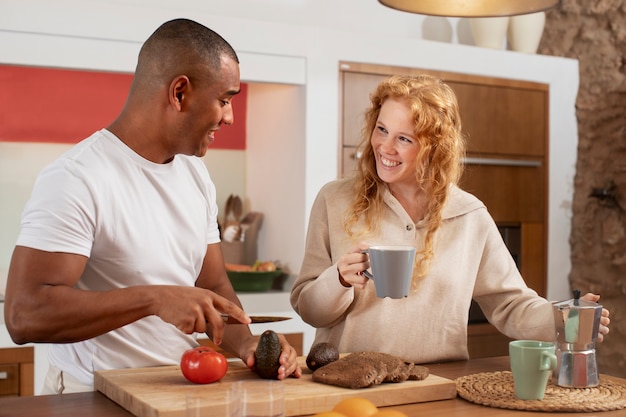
(275, 160)
(19, 165)
(299, 43)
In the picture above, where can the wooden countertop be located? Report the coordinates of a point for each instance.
(95, 404)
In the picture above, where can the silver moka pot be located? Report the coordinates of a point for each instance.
(577, 322)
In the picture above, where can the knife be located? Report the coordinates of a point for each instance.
(255, 319)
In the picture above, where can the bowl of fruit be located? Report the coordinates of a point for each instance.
(258, 277)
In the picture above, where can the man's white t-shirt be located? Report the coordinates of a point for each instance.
(139, 223)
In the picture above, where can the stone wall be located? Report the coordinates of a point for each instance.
(594, 32)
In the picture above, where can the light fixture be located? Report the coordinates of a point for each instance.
(470, 8)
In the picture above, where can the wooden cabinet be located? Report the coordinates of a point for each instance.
(502, 117)
(506, 125)
(17, 371)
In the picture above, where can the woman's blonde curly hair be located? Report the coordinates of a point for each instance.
(440, 157)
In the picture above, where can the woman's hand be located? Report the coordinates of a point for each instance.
(604, 319)
(351, 266)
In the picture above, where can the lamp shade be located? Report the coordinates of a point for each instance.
(470, 8)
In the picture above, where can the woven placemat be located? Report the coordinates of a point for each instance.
(496, 389)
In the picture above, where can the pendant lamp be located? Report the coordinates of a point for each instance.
(470, 8)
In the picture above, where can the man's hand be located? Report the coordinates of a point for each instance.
(288, 358)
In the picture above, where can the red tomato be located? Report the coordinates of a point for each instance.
(203, 365)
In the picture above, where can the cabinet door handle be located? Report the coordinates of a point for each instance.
(356, 155)
(4, 375)
(501, 162)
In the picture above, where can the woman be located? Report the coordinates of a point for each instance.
(405, 193)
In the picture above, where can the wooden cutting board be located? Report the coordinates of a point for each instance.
(161, 391)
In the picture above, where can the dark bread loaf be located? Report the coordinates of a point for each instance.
(365, 369)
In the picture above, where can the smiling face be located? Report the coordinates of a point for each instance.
(208, 105)
(394, 144)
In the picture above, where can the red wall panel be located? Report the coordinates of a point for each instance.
(66, 106)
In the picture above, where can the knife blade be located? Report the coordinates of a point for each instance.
(255, 319)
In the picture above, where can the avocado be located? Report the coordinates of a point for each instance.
(321, 354)
(267, 355)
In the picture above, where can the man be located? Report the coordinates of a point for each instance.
(118, 262)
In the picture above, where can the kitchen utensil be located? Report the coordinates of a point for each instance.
(250, 225)
(392, 269)
(577, 322)
(255, 319)
(228, 209)
(232, 218)
(237, 211)
(237, 208)
(532, 363)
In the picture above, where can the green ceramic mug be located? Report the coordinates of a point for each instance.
(532, 363)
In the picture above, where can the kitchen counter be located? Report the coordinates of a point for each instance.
(96, 404)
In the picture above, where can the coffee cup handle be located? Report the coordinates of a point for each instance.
(367, 273)
(548, 361)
